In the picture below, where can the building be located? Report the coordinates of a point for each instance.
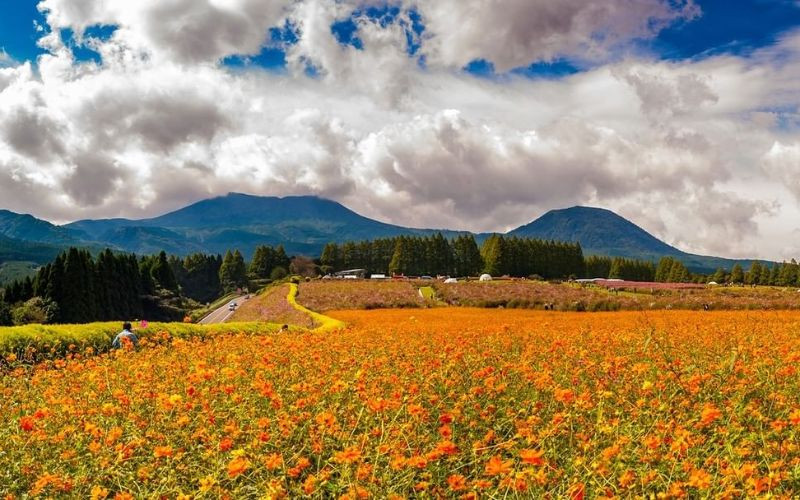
(352, 274)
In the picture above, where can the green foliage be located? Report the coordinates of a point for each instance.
(403, 257)
(435, 255)
(35, 310)
(198, 277)
(737, 274)
(631, 269)
(5, 314)
(467, 260)
(278, 273)
(233, 273)
(16, 271)
(495, 255)
(266, 259)
(672, 270)
(162, 273)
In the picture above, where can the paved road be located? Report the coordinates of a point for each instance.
(222, 314)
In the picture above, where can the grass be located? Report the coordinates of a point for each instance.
(273, 306)
(325, 323)
(427, 293)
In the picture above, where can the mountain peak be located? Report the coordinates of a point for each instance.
(599, 231)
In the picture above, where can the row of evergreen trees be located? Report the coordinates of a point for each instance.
(406, 255)
(436, 255)
(79, 288)
(783, 274)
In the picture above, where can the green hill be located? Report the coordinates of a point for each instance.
(602, 232)
(304, 224)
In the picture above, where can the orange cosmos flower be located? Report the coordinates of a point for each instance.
(457, 482)
(709, 414)
(27, 424)
(496, 466)
(163, 452)
(238, 466)
(348, 456)
(532, 457)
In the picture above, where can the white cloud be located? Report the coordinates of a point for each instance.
(695, 151)
(516, 33)
(187, 31)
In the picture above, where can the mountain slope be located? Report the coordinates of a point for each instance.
(29, 228)
(602, 232)
(12, 249)
(303, 224)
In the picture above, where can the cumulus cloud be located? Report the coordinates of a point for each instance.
(187, 31)
(518, 32)
(695, 151)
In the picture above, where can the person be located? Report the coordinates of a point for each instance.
(125, 334)
(285, 328)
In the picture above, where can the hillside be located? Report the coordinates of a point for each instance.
(603, 232)
(304, 224)
(29, 228)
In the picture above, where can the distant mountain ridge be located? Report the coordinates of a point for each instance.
(304, 224)
(603, 232)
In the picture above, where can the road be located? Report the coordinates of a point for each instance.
(222, 314)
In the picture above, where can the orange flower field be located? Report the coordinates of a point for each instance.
(422, 403)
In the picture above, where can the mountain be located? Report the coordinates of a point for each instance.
(29, 228)
(304, 224)
(602, 232)
(12, 249)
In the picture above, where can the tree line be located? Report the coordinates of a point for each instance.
(436, 255)
(78, 287)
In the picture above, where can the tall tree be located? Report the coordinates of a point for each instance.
(737, 274)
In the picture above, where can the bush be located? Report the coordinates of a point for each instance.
(35, 310)
(278, 273)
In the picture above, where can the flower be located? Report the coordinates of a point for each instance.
(238, 466)
(496, 466)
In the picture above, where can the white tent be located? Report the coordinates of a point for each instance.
(486, 277)
(451, 280)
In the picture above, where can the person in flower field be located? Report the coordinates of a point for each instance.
(125, 335)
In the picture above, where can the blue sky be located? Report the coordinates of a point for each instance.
(725, 26)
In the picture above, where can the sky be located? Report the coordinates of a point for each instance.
(680, 115)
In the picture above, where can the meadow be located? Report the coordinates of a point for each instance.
(272, 306)
(459, 402)
(527, 294)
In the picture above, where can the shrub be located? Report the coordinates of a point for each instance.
(278, 273)
(35, 310)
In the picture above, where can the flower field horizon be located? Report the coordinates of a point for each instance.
(454, 402)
